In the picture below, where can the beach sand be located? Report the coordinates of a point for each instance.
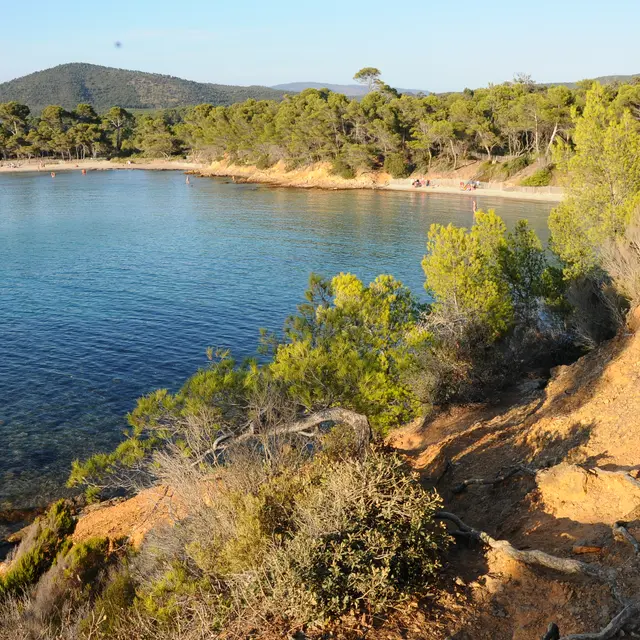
(96, 165)
(302, 178)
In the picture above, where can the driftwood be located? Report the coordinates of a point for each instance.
(498, 480)
(620, 531)
(358, 422)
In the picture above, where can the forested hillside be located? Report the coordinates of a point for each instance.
(102, 87)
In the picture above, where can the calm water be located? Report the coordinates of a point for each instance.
(115, 283)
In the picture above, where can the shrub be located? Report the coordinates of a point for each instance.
(340, 168)
(494, 171)
(38, 549)
(309, 542)
(464, 276)
(367, 540)
(73, 577)
(541, 178)
(516, 165)
(396, 165)
(620, 258)
(490, 290)
(264, 161)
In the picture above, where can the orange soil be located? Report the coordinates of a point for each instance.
(132, 518)
(580, 439)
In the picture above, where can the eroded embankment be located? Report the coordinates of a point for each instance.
(553, 469)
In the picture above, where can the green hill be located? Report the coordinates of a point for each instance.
(103, 87)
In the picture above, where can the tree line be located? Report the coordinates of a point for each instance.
(383, 130)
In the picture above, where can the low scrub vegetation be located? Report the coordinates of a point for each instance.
(541, 178)
(40, 545)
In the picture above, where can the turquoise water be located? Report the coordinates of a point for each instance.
(115, 283)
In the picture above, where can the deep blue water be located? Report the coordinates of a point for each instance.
(115, 283)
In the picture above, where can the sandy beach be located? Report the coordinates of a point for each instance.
(509, 192)
(316, 177)
(23, 166)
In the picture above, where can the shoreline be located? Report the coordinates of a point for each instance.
(314, 177)
(319, 177)
(99, 165)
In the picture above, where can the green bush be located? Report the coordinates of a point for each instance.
(340, 168)
(396, 165)
(369, 541)
(541, 178)
(499, 171)
(38, 549)
(264, 162)
(488, 287)
(306, 544)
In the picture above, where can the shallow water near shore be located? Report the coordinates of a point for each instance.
(114, 284)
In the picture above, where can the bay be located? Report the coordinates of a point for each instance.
(115, 283)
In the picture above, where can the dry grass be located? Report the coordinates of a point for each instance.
(621, 259)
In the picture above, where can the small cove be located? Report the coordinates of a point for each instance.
(115, 283)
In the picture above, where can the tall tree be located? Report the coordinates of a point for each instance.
(368, 76)
(120, 122)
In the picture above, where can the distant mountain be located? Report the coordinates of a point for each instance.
(351, 90)
(103, 87)
(600, 79)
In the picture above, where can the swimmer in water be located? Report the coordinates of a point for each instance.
(53, 174)
(188, 182)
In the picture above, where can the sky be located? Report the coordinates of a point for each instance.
(429, 45)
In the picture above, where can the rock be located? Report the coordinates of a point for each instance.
(588, 496)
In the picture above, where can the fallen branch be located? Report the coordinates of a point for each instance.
(620, 531)
(498, 480)
(630, 614)
(533, 557)
(358, 422)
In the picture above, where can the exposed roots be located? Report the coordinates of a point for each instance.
(631, 612)
(629, 617)
(535, 557)
(620, 531)
(498, 480)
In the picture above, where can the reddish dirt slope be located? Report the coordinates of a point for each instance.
(576, 446)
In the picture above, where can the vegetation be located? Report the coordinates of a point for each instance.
(541, 178)
(102, 87)
(295, 520)
(514, 121)
(603, 186)
(37, 550)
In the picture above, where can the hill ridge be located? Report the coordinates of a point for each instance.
(103, 87)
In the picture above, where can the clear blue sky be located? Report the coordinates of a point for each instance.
(438, 46)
